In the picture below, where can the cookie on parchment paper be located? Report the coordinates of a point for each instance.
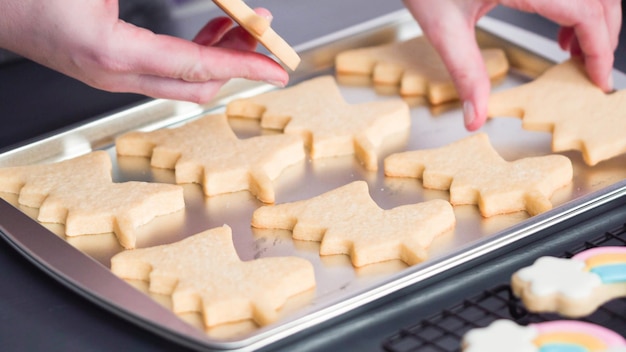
(203, 273)
(81, 194)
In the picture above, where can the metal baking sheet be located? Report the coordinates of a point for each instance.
(82, 262)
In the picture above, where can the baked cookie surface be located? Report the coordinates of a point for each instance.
(207, 151)
(259, 28)
(347, 221)
(565, 102)
(413, 65)
(316, 110)
(81, 194)
(475, 174)
(204, 274)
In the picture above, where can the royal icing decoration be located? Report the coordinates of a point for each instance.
(578, 276)
(573, 287)
(554, 336)
(549, 275)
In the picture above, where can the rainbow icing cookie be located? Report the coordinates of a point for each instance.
(573, 287)
(553, 336)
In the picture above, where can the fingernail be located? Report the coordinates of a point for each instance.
(609, 81)
(278, 84)
(469, 114)
(267, 15)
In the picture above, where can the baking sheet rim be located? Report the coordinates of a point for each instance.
(394, 283)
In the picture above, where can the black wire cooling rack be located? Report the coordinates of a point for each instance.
(444, 331)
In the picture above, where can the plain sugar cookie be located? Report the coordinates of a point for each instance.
(81, 194)
(475, 174)
(413, 65)
(347, 221)
(316, 110)
(565, 102)
(259, 28)
(207, 151)
(204, 274)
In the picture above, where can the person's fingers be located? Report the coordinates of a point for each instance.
(589, 23)
(213, 31)
(613, 16)
(454, 39)
(220, 50)
(596, 50)
(141, 51)
(170, 88)
(565, 37)
(575, 49)
(237, 39)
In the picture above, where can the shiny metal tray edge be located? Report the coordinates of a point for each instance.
(160, 113)
(58, 259)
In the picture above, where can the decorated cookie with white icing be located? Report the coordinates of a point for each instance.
(573, 287)
(554, 336)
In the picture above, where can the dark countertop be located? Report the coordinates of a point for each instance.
(38, 313)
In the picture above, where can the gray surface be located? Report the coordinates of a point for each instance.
(296, 21)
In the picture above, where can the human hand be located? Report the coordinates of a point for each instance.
(86, 40)
(589, 29)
